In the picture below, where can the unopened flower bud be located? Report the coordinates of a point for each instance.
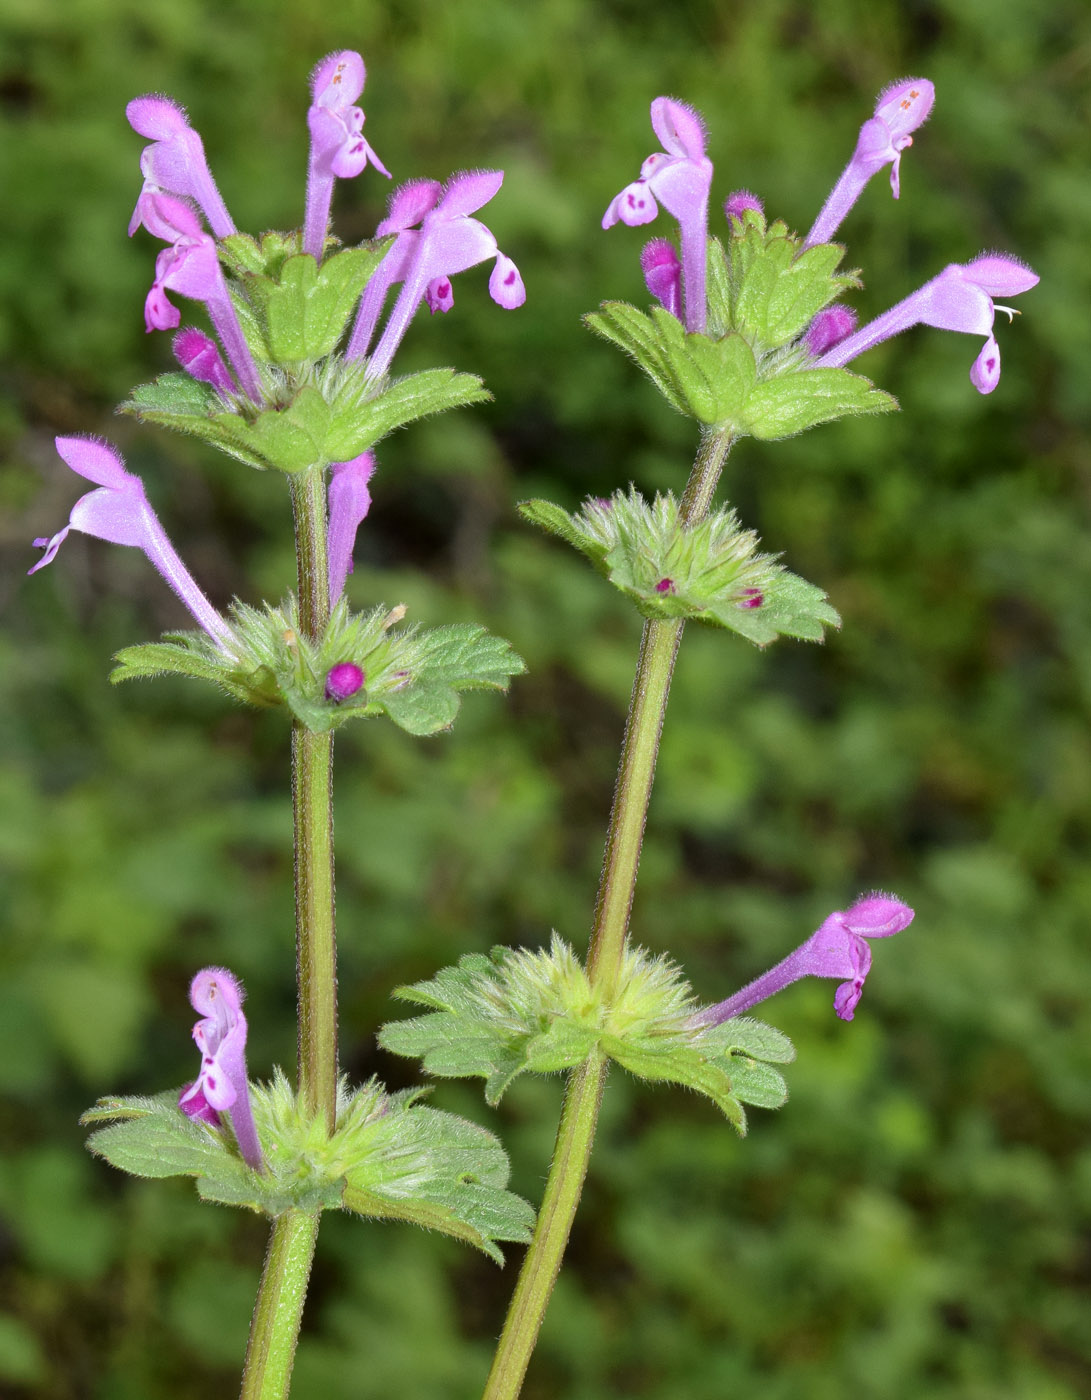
(343, 680)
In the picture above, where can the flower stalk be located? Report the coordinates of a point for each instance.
(617, 885)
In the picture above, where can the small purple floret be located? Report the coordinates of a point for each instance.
(199, 356)
(665, 585)
(960, 298)
(751, 598)
(663, 274)
(349, 502)
(679, 177)
(839, 948)
(831, 326)
(118, 511)
(738, 203)
(222, 1086)
(343, 681)
(899, 110)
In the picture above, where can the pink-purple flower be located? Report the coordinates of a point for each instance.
(175, 162)
(838, 948)
(118, 511)
(899, 110)
(349, 502)
(960, 298)
(222, 1086)
(338, 147)
(190, 266)
(678, 177)
(425, 258)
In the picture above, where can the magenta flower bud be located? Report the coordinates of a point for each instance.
(338, 148)
(899, 110)
(737, 204)
(191, 267)
(663, 274)
(119, 512)
(448, 241)
(832, 325)
(665, 585)
(679, 177)
(199, 356)
(222, 1086)
(175, 162)
(838, 948)
(343, 680)
(960, 298)
(751, 598)
(349, 501)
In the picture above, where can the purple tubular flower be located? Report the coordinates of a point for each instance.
(663, 274)
(831, 326)
(199, 356)
(839, 948)
(423, 260)
(118, 511)
(737, 204)
(222, 1086)
(175, 162)
(191, 267)
(338, 147)
(679, 177)
(899, 110)
(343, 681)
(349, 502)
(960, 298)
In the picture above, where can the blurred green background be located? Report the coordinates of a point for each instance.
(917, 1220)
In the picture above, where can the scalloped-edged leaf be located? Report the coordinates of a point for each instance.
(779, 408)
(516, 1012)
(449, 660)
(361, 415)
(305, 308)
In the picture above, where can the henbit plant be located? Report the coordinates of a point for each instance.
(748, 338)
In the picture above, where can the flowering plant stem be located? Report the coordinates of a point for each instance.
(617, 883)
(274, 1329)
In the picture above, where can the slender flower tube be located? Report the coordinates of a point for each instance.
(222, 1086)
(338, 147)
(839, 948)
(118, 511)
(899, 110)
(191, 267)
(960, 298)
(679, 177)
(199, 356)
(663, 274)
(349, 502)
(425, 259)
(175, 162)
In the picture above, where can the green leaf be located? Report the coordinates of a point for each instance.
(304, 308)
(362, 412)
(389, 1157)
(709, 571)
(415, 676)
(782, 407)
(536, 1012)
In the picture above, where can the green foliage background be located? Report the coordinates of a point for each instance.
(917, 1220)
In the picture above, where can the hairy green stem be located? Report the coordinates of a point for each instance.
(312, 803)
(274, 1328)
(617, 884)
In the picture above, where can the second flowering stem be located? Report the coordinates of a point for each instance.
(617, 884)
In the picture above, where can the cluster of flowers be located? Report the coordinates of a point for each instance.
(435, 237)
(679, 177)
